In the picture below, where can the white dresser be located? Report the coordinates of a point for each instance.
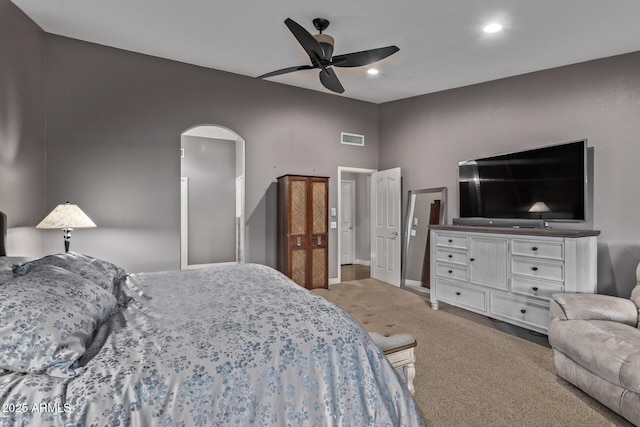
(510, 273)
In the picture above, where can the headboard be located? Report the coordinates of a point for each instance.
(3, 230)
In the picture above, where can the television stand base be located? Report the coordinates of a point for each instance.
(501, 222)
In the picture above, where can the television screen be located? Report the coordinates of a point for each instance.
(545, 183)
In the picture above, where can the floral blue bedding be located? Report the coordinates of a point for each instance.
(235, 345)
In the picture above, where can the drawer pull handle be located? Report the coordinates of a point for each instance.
(535, 248)
(458, 293)
(472, 259)
(534, 268)
(523, 311)
(450, 256)
(450, 241)
(535, 291)
(450, 271)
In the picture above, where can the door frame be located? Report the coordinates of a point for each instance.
(220, 133)
(346, 169)
(352, 220)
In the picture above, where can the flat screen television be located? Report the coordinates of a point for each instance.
(548, 183)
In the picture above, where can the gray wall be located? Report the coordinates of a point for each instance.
(22, 129)
(598, 100)
(210, 165)
(114, 120)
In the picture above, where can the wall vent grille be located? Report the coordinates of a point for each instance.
(352, 139)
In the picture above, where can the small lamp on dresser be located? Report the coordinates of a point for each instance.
(66, 217)
(539, 208)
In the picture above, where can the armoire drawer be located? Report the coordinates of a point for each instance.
(452, 271)
(451, 255)
(550, 249)
(535, 288)
(519, 310)
(460, 295)
(539, 269)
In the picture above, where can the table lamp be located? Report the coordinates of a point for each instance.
(66, 217)
(539, 207)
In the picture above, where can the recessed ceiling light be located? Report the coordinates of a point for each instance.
(492, 28)
(373, 71)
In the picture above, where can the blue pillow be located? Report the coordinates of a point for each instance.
(47, 318)
(102, 273)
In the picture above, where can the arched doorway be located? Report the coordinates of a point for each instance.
(212, 163)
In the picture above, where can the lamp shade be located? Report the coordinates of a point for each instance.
(539, 207)
(66, 216)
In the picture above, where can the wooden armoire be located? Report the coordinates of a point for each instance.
(303, 229)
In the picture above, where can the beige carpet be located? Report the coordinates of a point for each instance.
(468, 374)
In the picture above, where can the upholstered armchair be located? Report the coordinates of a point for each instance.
(596, 347)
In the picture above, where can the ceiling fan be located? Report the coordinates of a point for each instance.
(319, 47)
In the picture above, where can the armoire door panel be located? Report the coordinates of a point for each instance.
(319, 213)
(319, 269)
(298, 208)
(299, 266)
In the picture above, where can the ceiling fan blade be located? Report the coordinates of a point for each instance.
(366, 57)
(329, 80)
(306, 40)
(285, 71)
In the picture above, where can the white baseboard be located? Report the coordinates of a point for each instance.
(412, 282)
(334, 281)
(362, 262)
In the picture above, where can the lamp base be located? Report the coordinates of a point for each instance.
(66, 235)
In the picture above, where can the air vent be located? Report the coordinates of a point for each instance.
(352, 139)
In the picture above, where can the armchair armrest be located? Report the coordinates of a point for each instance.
(593, 307)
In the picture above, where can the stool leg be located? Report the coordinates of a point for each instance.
(410, 374)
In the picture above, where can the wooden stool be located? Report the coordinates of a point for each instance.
(400, 350)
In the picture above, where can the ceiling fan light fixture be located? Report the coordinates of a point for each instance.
(324, 38)
(492, 28)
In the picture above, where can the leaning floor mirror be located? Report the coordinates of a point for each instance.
(424, 207)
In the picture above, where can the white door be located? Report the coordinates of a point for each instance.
(347, 222)
(385, 226)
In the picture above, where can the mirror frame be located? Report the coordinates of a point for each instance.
(407, 232)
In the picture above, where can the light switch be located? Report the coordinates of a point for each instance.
(333, 212)
(334, 224)
(415, 221)
(413, 233)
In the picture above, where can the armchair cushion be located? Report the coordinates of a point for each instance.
(594, 307)
(608, 349)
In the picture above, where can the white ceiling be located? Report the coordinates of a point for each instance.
(441, 42)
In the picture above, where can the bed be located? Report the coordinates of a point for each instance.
(83, 343)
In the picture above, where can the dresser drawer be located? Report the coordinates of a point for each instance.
(452, 241)
(451, 255)
(551, 249)
(538, 269)
(451, 271)
(534, 288)
(461, 296)
(519, 310)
